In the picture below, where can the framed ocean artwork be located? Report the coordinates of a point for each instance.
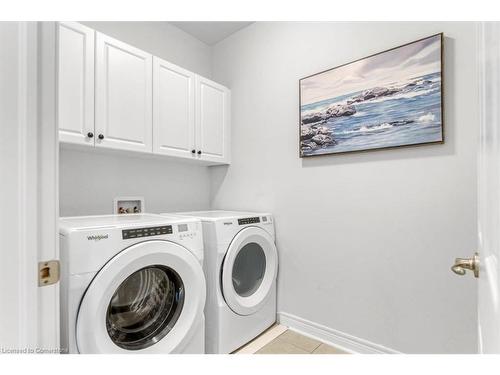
(391, 99)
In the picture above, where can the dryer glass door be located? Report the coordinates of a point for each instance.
(249, 270)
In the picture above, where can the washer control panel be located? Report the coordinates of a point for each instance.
(249, 220)
(146, 232)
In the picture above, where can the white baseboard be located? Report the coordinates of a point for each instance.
(341, 340)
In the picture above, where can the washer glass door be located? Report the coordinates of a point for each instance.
(249, 270)
(145, 307)
(148, 298)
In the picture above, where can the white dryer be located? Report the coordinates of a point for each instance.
(132, 284)
(241, 265)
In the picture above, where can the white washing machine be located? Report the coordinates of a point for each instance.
(241, 265)
(132, 284)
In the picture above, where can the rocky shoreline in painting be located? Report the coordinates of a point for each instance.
(356, 118)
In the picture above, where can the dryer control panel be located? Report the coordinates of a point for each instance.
(249, 220)
(255, 220)
(146, 232)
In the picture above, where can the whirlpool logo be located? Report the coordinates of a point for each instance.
(97, 237)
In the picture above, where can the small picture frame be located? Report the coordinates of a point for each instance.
(128, 205)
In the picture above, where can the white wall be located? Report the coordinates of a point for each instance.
(366, 240)
(89, 181)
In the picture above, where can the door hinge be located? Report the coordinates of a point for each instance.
(48, 272)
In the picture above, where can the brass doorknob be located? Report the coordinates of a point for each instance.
(463, 264)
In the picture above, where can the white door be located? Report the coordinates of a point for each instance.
(149, 299)
(75, 88)
(29, 317)
(212, 121)
(123, 102)
(173, 110)
(249, 270)
(489, 190)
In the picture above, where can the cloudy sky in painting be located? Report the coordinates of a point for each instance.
(395, 66)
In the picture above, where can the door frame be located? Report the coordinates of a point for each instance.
(48, 177)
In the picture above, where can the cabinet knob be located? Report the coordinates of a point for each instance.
(193, 151)
(100, 136)
(199, 152)
(90, 135)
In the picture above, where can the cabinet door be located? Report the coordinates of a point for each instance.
(75, 83)
(173, 110)
(123, 96)
(212, 121)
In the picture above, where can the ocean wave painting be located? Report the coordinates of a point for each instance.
(390, 99)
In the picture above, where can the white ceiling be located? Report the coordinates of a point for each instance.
(210, 32)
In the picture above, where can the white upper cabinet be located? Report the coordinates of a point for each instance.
(173, 110)
(75, 72)
(123, 96)
(212, 121)
(113, 95)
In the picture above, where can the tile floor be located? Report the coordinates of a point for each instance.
(291, 342)
(280, 340)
